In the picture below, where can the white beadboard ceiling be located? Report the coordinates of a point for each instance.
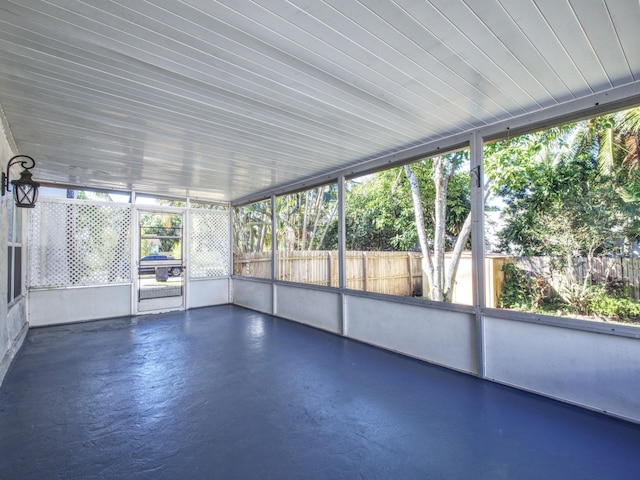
(222, 99)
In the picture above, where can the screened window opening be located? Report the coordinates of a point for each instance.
(562, 221)
(307, 236)
(252, 240)
(408, 230)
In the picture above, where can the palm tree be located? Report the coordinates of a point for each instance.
(620, 156)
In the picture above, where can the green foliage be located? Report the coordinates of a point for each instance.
(379, 208)
(305, 218)
(568, 192)
(571, 189)
(155, 226)
(621, 308)
(379, 213)
(578, 296)
(525, 292)
(520, 290)
(560, 205)
(252, 227)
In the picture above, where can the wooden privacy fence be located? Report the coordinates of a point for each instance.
(625, 269)
(252, 264)
(463, 285)
(400, 273)
(393, 273)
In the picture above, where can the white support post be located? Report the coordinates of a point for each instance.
(274, 254)
(135, 252)
(186, 241)
(342, 236)
(342, 251)
(477, 244)
(231, 264)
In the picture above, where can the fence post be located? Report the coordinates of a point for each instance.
(364, 271)
(410, 261)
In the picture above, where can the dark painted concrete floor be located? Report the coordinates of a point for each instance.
(228, 393)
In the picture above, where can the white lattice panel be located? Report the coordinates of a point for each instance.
(209, 243)
(76, 243)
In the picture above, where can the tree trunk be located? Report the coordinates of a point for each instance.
(458, 248)
(441, 182)
(450, 279)
(441, 279)
(318, 211)
(328, 222)
(422, 236)
(303, 236)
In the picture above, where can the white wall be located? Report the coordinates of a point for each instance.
(253, 294)
(203, 292)
(13, 318)
(597, 370)
(13, 321)
(54, 306)
(319, 308)
(438, 336)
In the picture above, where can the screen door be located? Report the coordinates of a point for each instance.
(161, 269)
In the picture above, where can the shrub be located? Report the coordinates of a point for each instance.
(578, 296)
(620, 307)
(521, 290)
(616, 287)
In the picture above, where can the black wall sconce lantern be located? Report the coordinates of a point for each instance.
(25, 190)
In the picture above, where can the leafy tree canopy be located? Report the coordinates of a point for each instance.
(380, 214)
(568, 190)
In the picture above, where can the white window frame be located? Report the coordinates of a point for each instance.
(15, 239)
